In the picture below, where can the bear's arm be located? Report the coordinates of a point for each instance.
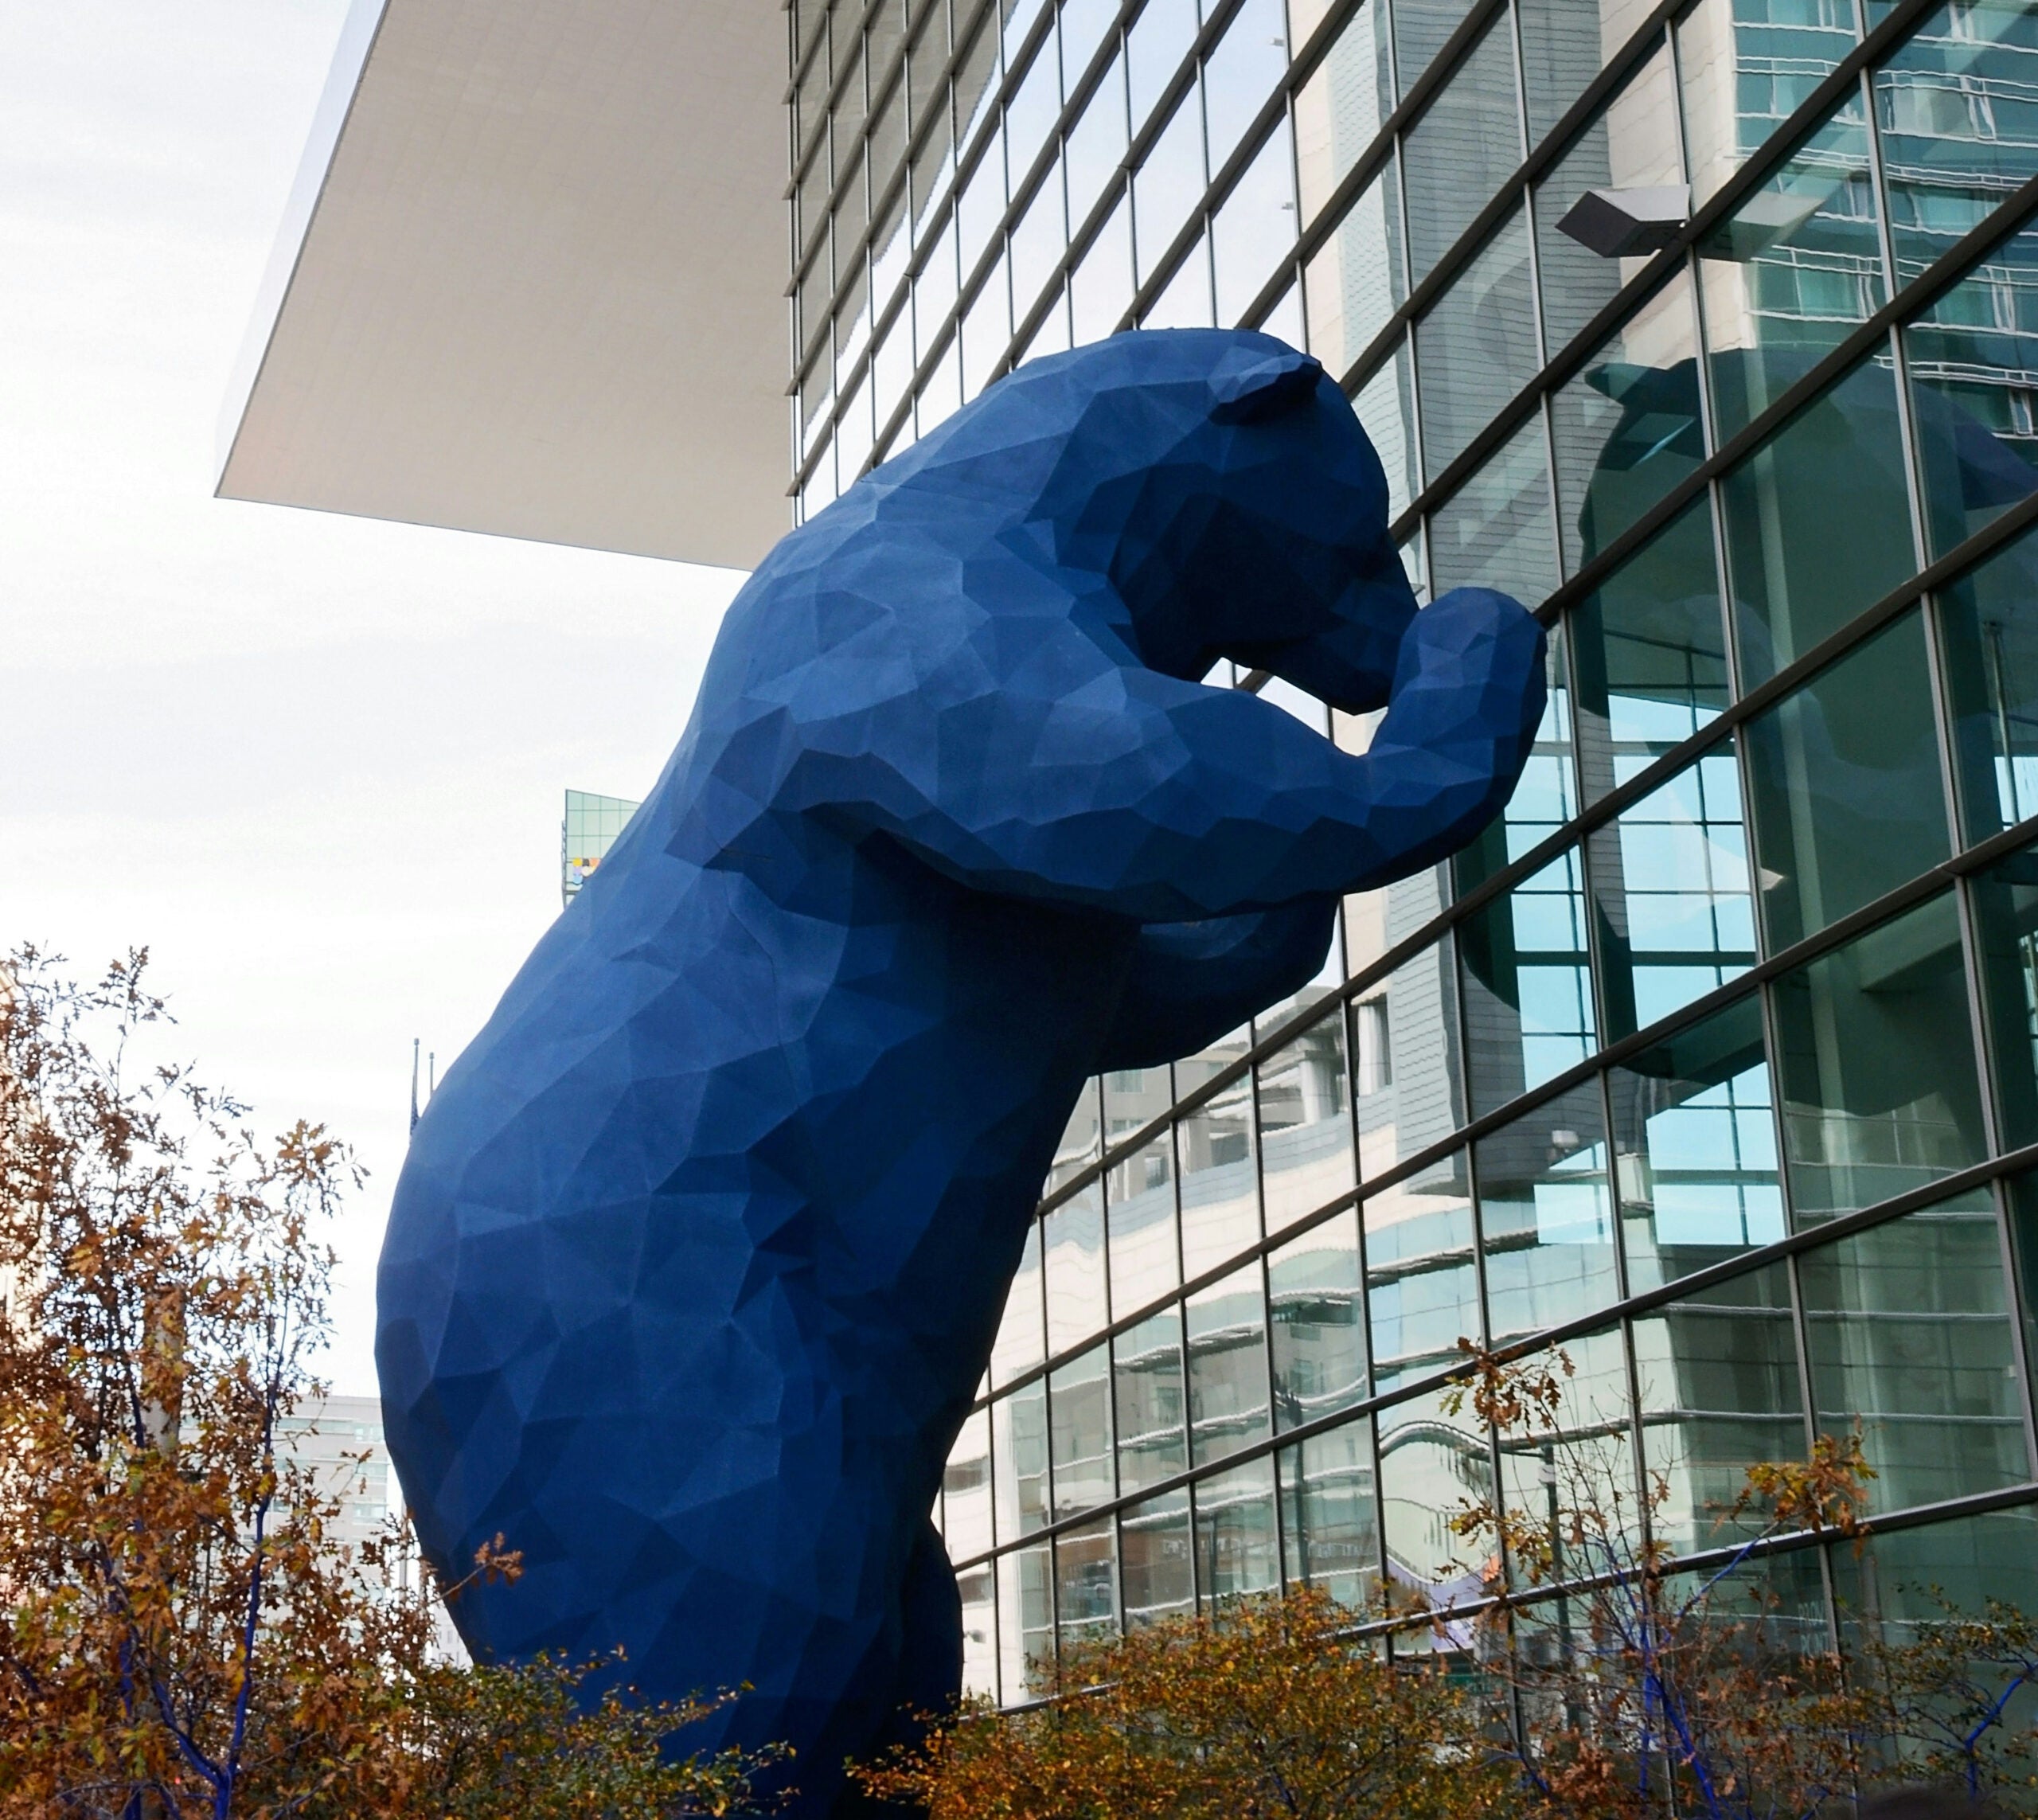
(1192, 983)
(1167, 802)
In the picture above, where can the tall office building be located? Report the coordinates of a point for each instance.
(1716, 1060)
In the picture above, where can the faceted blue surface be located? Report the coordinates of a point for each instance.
(695, 1264)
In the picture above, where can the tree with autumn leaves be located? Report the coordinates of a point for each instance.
(180, 1634)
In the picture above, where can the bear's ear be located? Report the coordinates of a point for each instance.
(1251, 385)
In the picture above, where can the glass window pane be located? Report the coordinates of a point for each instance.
(1527, 985)
(1409, 1089)
(986, 333)
(1253, 230)
(1988, 626)
(1564, 46)
(1462, 150)
(1019, 1460)
(1837, 461)
(1079, 1409)
(1845, 786)
(1901, 1581)
(1422, 1284)
(1160, 39)
(1249, 63)
(1185, 301)
(1497, 530)
(1571, 1488)
(1353, 281)
(1431, 1465)
(2005, 903)
(965, 1490)
(1072, 1238)
(1329, 1522)
(1318, 1340)
(1154, 1546)
(1632, 144)
(1219, 1187)
(1670, 889)
(1021, 1342)
(1169, 184)
(1096, 146)
(1546, 1217)
(1974, 359)
(1628, 427)
(1234, 1551)
(1717, 1370)
(1026, 1622)
(1100, 288)
(1955, 105)
(1082, 1141)
(1907, 1330)
(1144, 1260)
(1695, 1147)
(1747, 66)
(1476, 348)
(975, 1589)
(1227, 1399)
(1789, 274)
(1306, 1122)
(1338, 110)
(1086, 1582)
(1386, 407)
(1650, 643)
(1421, 28)
(1039, 238)
(1146, 1376)
(1877, 1066)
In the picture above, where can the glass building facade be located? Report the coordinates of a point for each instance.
(1716, 1060)
(587, 831)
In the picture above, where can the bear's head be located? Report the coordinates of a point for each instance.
(1221, 482)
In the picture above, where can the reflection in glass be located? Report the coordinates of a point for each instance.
(1081, 1141)
(1972, 357)
(1475, 348)
(1234, 1551)
(1072, 1238)
(1631, 144)
(1330, 1522)
(1988, 625)
(1695, 1147)
(1227, 1399)
(1220, 1188)
(1431, 1464)
(1154, 1546)
(1877, 1066)
(1528, 984)
(1145, 1261)
(1352, 284)
(1020, 1344)
(965, 1490)
(1467, 141)
(1670, 892)
(2005, 903)
(1958, 134)
(1386, 410)
(1718, 1374)
(1019, 1460)
(1628, 427)
(1306, 1122)
(1147, 1397)
(1899, 1581)
(1907, 1329)
(1315, 1309)
(1086, 1582)
(1845, 786)
(975, 1588)
(1422, 1282)
(1650, 647)
(1409, 1086)
(1787, 275)
(1250, 62)
(1080, 1432)
(1496, 530)
(1546, 1218)
(1026, 1622)
(1584, 1466)
(1254, 228)
(1837, 461)
(1545, 799)
(1337, 111)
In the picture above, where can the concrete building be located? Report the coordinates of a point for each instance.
(1717, 1061)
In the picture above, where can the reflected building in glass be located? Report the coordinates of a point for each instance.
(1715, 1061)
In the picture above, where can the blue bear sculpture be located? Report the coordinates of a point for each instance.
(694, 1264)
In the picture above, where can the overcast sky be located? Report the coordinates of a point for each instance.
(315, 764)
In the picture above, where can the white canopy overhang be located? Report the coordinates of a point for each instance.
(531, 280)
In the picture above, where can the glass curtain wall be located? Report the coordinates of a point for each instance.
(1716, 1058)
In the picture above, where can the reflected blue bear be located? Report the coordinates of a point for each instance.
(694, 1264)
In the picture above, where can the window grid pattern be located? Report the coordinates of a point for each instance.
(1714, 1059)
